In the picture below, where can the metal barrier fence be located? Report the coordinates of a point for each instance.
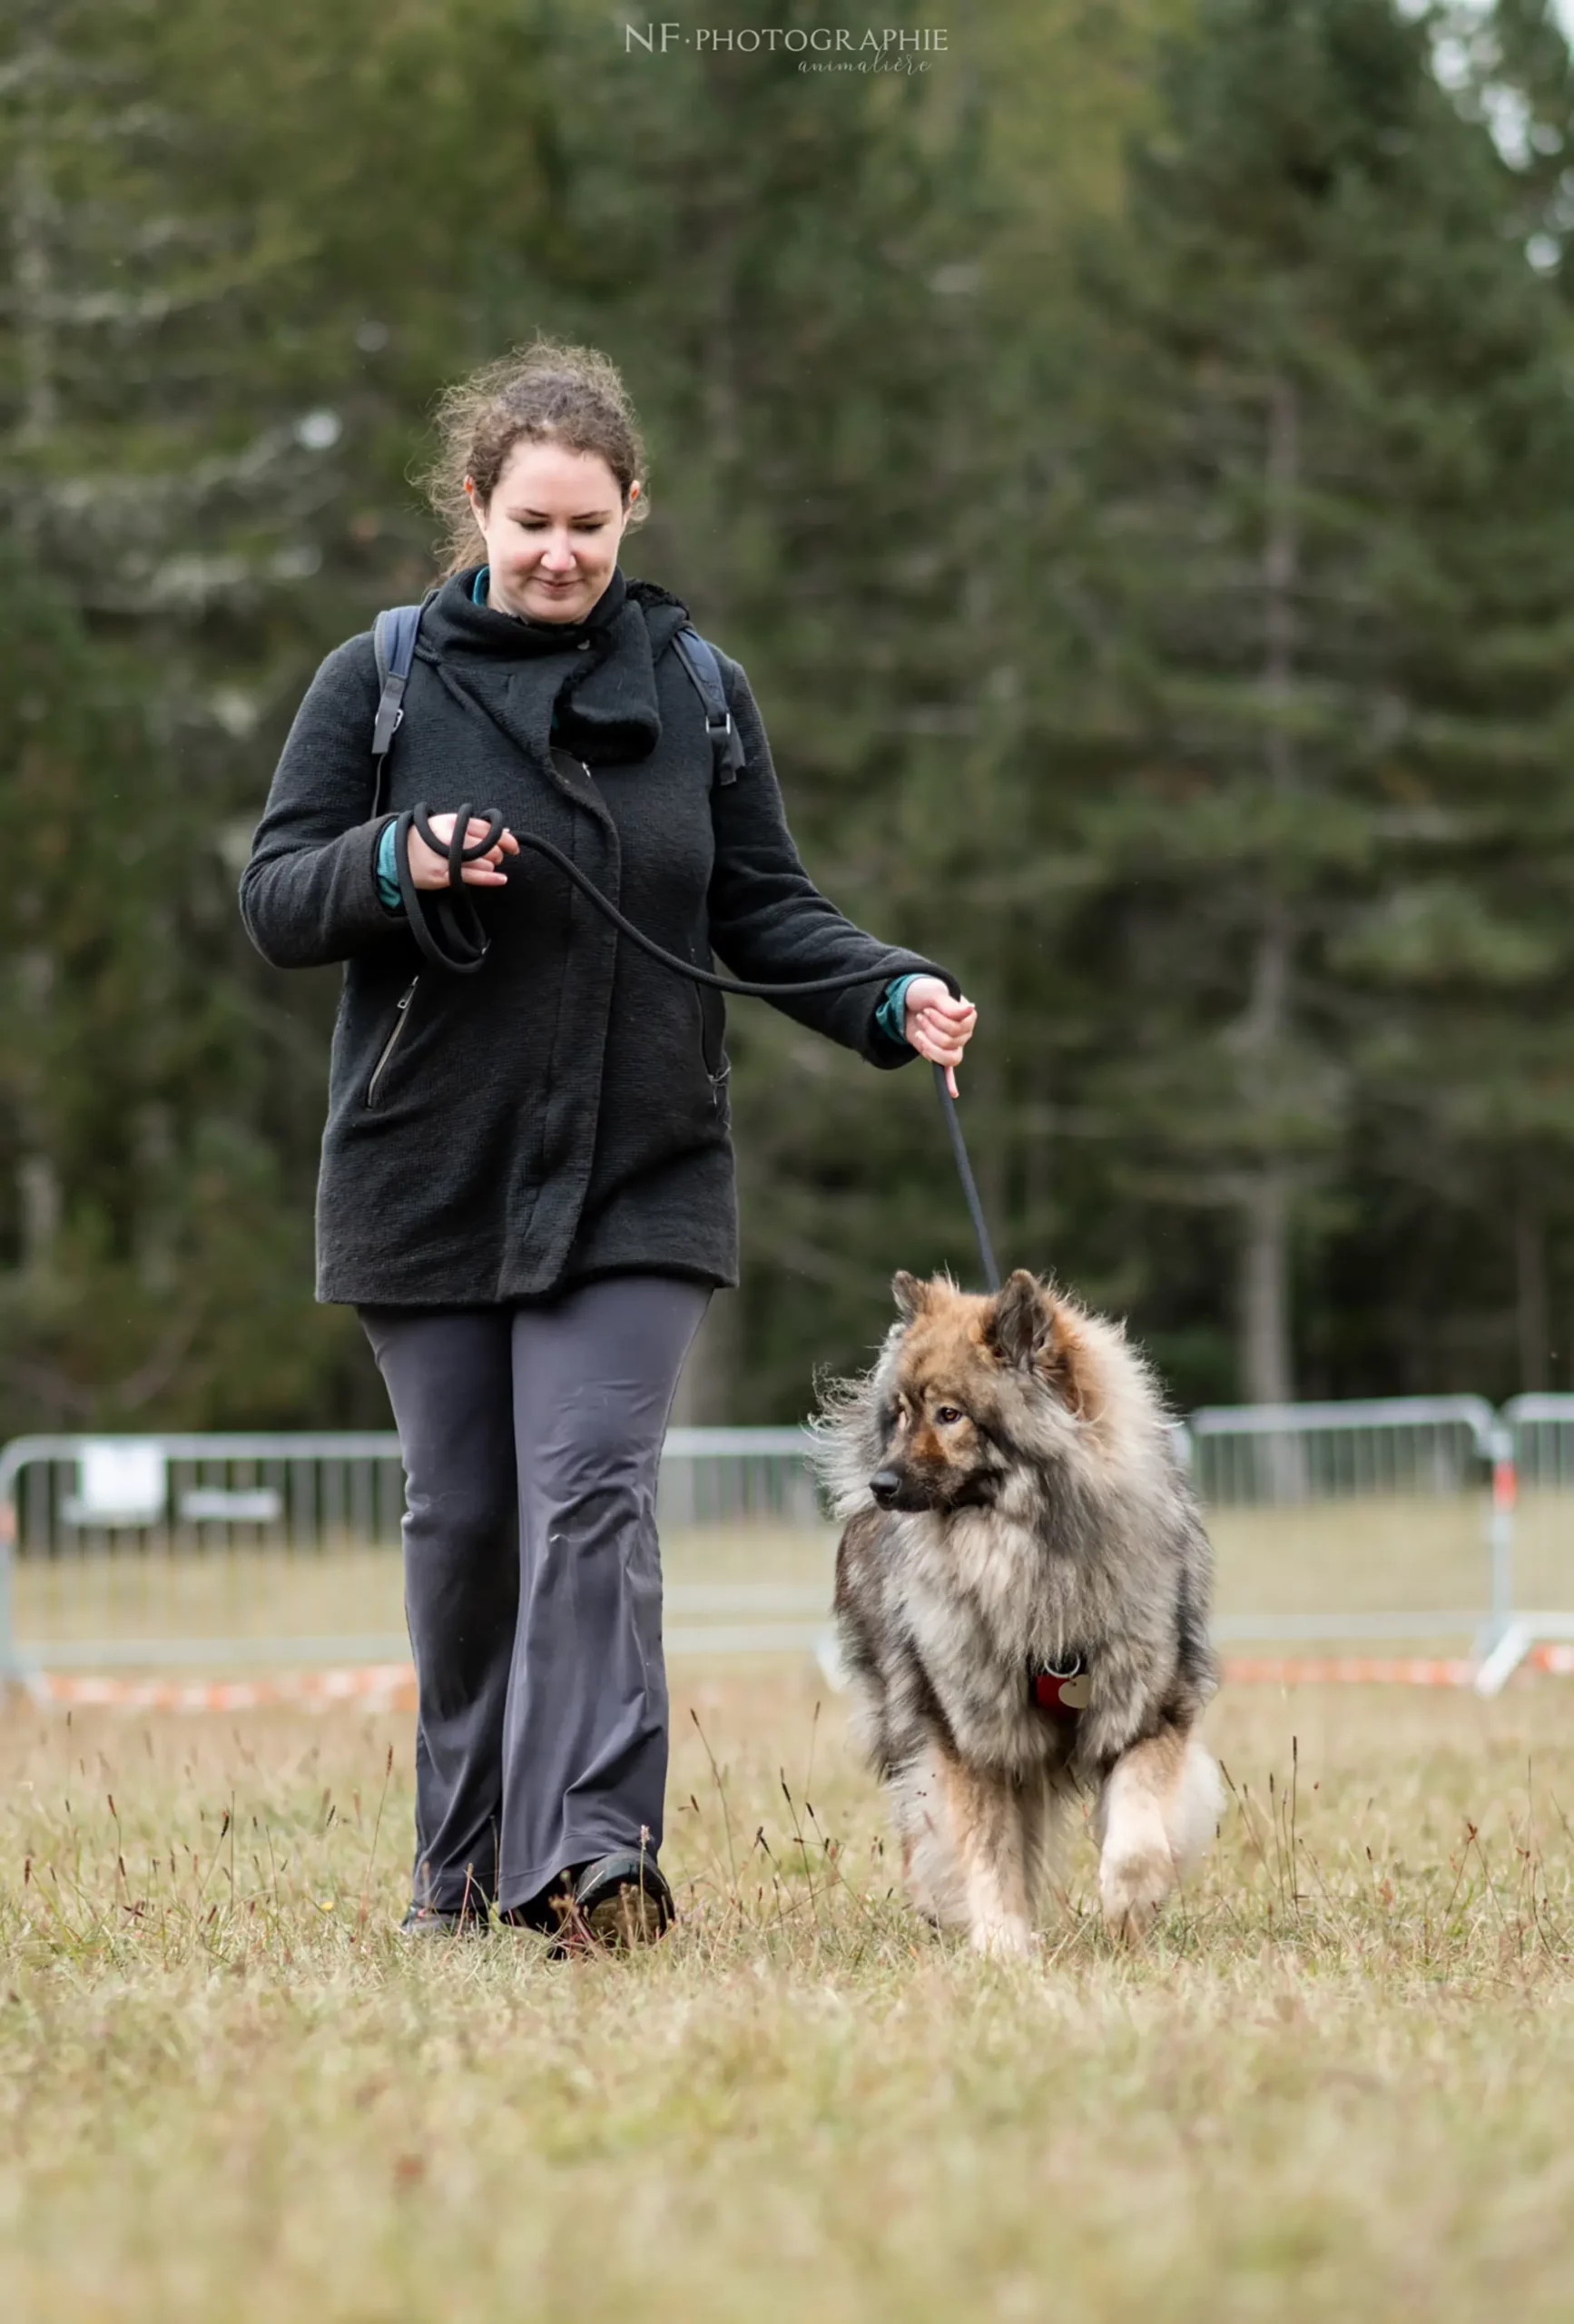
(156, 1552)
(1339, 1524)
(1540, 1432)
(1347, 1522)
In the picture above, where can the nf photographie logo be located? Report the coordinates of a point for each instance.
(820, 48)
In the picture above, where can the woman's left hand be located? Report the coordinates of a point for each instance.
(938, 1026)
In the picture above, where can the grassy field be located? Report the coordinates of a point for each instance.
(1340, 2082)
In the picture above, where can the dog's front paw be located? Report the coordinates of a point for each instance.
(1004, 1940)
(1130, 1891)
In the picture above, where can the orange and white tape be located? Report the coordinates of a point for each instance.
(391, 1686)
(1381, 1670)
(1347, 1669)
(380, 1686)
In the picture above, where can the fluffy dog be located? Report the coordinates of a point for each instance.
(1022, 1592)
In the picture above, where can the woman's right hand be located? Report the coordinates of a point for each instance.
(430, 870)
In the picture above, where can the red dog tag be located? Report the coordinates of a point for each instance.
(1062, 1693)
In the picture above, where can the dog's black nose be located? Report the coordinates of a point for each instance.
(885, 1486)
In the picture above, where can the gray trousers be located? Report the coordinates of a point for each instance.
(530, 1438)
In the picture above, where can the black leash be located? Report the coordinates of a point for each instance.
(965, 1172)
(470, 941)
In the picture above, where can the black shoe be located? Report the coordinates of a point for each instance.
(622, 1901)
(543, 1915)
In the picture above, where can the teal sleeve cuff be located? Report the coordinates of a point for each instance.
(387, 878)
(891, 1014)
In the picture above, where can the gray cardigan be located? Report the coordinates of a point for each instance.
(562, 1114)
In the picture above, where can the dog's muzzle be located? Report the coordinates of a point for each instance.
(914, 1491)
(899, 1489)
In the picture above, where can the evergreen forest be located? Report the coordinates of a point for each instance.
(1133, 457)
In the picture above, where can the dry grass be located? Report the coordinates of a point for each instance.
(1337, 2085)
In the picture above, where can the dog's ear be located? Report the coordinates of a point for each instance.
(1021, 1325)
(911, 1297)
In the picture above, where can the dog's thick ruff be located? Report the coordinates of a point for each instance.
(1034, 1509)
(562, 1114)
(530, 1441)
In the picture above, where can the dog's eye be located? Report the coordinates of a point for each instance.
(947, 1414)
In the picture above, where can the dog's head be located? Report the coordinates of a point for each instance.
(972, 1385)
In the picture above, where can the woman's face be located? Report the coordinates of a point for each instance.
(552, 527)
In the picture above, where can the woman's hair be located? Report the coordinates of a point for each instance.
(546, 393)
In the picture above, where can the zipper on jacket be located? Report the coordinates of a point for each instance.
(401, 1019)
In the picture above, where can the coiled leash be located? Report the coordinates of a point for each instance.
(464, 934)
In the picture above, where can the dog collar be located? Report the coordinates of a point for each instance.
(1062, 1688)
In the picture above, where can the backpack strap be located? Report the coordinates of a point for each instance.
(698, 659)
(393, 637)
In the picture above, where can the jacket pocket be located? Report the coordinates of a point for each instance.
(712, 1027)
(396, 1035)
(714, 1050)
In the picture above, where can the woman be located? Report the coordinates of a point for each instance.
(526, 1188)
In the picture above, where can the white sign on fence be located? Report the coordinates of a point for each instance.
(120, 1481)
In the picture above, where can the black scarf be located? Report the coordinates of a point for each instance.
(595, 677)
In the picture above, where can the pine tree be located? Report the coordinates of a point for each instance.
(162, 481)
(1323, 524)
